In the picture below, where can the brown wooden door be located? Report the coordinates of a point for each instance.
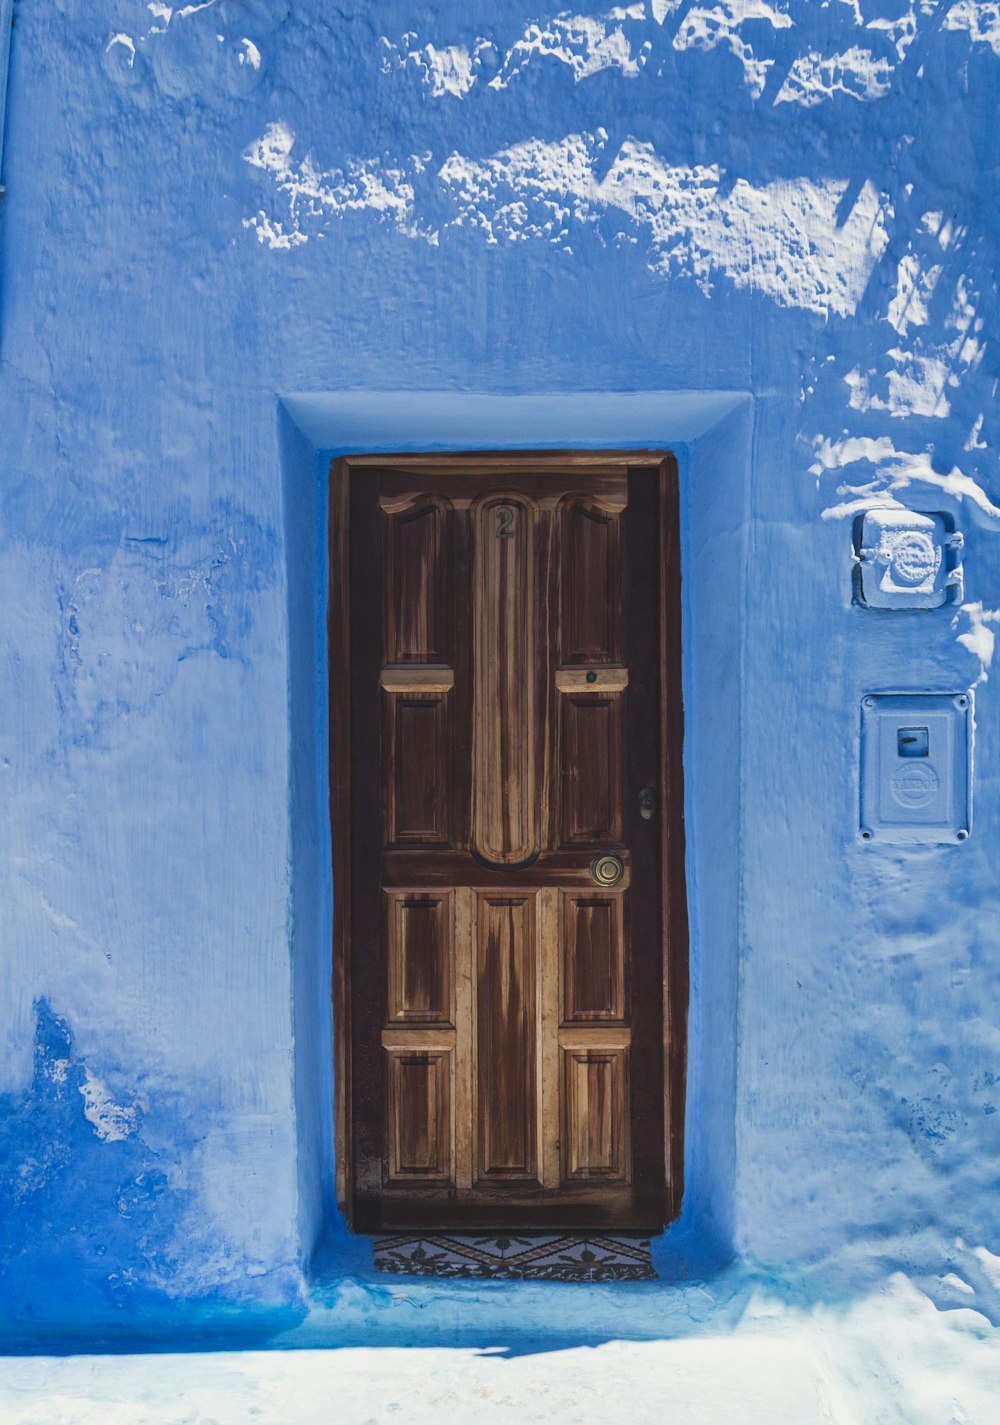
(506, 1058)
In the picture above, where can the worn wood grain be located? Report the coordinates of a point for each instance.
(419, 1139)
(592, 760)
(507, 1036)
(592, 936)
(595, 1113)
(406, 678)
(419, 948)
(417, 762)
(596, 679)
(417, 593)
(592, 606)
(549, 998)
(504, 732)
(504, 635)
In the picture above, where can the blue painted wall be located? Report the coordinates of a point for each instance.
(211, 208)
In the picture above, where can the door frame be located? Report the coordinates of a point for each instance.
(674, 940)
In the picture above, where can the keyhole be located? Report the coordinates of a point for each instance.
(647, 803)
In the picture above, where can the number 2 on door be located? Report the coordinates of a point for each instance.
(505, 522)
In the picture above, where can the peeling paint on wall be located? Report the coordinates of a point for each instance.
(106, 1214)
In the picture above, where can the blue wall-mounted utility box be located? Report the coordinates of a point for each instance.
(916, 767)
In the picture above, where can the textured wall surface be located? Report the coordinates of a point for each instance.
(213, 206)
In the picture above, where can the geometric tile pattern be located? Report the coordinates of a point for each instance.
(533, 1257)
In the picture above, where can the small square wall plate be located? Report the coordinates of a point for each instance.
(916, 767)
(908, 560)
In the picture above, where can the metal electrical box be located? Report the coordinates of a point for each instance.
(916, 767)
(905, 559)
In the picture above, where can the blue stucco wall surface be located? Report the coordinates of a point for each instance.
(239, 235)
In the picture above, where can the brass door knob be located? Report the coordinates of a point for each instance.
(607, 869)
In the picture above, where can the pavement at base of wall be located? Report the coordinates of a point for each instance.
(892, 1357)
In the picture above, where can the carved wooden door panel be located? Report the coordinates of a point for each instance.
(506, 1060)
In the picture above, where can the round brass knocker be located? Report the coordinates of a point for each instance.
(606, 869)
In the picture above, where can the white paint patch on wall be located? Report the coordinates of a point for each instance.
(112, 1122)
(901, 30)
(445, 71)
(450, 69)
(534, 189)
(782, 239)
(587, 45)
(917, 381)
(272, 233)
(979, 638)
(915, 386)
(964, 320)
(127, 45)
(981, 18)
(708, 26)
(857, 72)
(913, 291)
(890, 472)
(972, 441)
(363, 185)
(590, 44)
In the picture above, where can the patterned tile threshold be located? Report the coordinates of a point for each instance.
(534, 1257)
